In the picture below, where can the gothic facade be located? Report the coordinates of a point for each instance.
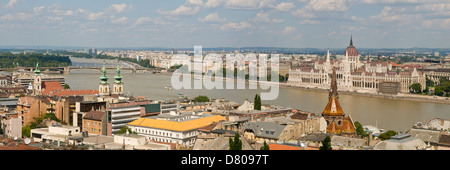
(352, 74)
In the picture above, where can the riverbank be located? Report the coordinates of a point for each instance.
(400, 96)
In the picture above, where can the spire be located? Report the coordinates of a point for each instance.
(351, 40)
(37, 71)
(333, 88)
(118, 77)
(328, 55)
(104, 77)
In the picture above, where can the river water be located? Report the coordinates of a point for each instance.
(398, 115)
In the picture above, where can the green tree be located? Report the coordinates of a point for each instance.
(257, 103)
(201, 99)
(66, 86)
(387, 135)
(416, 87)
(438, 91)
(265, 147)
(26, 131)
(124, 130)
(326, 144)
(360, 130)
(235, 144)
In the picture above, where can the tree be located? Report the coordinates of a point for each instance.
(416, 87)
(124, 130)
(235, 144)
(26, 131)
(201, 99)
(438, 91)
(257, 103)
(265, 147)
(66, 86)
(387, 135)
(326, 144)
(360, 130)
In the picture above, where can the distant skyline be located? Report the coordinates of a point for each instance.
(226, 23)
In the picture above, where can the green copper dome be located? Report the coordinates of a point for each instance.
(104, 77)
(118, 77)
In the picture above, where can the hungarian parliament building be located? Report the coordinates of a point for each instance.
(355, 75)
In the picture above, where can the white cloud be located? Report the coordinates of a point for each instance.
(301, 13)
(95, 16)
(38, 9)
(437, 23)
(119, 7)
(121, 20)
(401, 1)
(249, 4)
(288, 30)
(183, 10)
(19, 16)
(232, 26)
(213, 3)
(328, 5)
(212, 18)
(285, 6)
(11, 3)
(195, 2)
(264, 17)
(307, 21)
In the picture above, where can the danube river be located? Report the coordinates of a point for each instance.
(385, 113)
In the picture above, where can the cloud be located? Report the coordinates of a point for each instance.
(119, 7)
(212, 18)
(147, 20)
(213, 3)
(195, 2)
(183, 10)
(95, 16)
(288, 30)
(401, 1)
(437, 23)
(11, 3)
(19, 16)
(301, 13)
(328, 5)
(307, 21)
(285, 6)
(232, 26)
(264, 17)
(249, 4)
(121, 20)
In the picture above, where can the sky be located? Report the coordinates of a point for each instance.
(226, 23)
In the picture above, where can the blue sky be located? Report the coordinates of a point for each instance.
(226, 23)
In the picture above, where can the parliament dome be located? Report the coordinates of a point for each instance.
(351, 50)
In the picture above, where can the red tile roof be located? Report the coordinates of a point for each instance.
(51, 85)
(66, 92)
(273, 146)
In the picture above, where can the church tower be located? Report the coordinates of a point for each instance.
(118, 84)
(337, 122)
(37, 84)
(103, 87)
